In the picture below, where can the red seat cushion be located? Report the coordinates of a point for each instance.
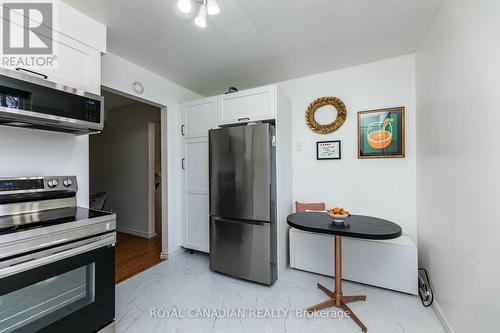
(301, 207)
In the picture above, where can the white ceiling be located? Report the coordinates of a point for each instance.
(255, 42)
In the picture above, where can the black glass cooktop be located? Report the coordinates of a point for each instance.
(22, 222)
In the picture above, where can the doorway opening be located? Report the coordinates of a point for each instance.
(125, 178)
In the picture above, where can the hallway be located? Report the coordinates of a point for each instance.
(135, 254)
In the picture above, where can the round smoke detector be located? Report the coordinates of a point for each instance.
(138, 87)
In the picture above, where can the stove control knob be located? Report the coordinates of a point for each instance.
(50, 183)
(56, 182)
(67, 182)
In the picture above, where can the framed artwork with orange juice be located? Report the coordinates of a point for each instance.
(381, 133)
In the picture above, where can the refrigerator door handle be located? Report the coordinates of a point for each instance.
(222, 219)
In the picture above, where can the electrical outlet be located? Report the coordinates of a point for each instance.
(298, 146)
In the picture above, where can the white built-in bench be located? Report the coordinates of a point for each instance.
(390, 264)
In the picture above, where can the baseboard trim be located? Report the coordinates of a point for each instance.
(196, 248)
(174, 252)
(164, 256)
(135, 232)
(442, 318)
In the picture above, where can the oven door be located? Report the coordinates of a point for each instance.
(69, 288)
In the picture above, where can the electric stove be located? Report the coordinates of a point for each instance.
(56, 259)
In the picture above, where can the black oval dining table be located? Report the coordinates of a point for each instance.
(356, 226)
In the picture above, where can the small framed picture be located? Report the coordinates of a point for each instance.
(381, 133)
(328, 150)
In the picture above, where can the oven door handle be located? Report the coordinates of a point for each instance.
(37, 259)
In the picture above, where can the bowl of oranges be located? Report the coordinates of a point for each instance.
(339, 215)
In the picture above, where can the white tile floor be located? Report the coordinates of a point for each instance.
(185, 283)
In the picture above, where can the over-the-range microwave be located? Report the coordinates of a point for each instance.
(32, 102)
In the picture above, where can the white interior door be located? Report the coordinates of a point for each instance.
(198, 117)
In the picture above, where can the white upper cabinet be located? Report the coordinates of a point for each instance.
(78, 66)
(199, 117)
(248, 105)
(76, 62)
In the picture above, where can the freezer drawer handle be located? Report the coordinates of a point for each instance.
(243, 119)
(240, 221)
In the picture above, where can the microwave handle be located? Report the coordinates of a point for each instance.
(32, 72)
(37, 259)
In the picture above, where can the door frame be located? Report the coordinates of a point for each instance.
(164, 189)
(151, 178)
(153, 127)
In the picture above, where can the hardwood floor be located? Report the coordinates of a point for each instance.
(135, 254)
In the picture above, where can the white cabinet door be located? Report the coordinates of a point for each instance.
(75, 64)
(248, 105)
(196, 209)
(78, 65)
(198, 117)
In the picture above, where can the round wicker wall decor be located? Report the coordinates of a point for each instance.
(327, 128)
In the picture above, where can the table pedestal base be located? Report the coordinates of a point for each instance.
(337, 298)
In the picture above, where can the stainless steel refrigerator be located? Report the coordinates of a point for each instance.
(243, 231)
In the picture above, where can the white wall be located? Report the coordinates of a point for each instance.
(119, 166)
(25, 152)
(284, 176)
(458, 163)
(119, 74)
(379, 187)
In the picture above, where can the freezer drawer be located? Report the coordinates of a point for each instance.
(243, 249)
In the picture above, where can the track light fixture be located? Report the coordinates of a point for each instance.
(207, 7)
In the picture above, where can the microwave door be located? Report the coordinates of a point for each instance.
(30, 102)
(240, 172)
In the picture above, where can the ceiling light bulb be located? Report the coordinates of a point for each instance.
(184, 6)
(201, 18)
(213, 7)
